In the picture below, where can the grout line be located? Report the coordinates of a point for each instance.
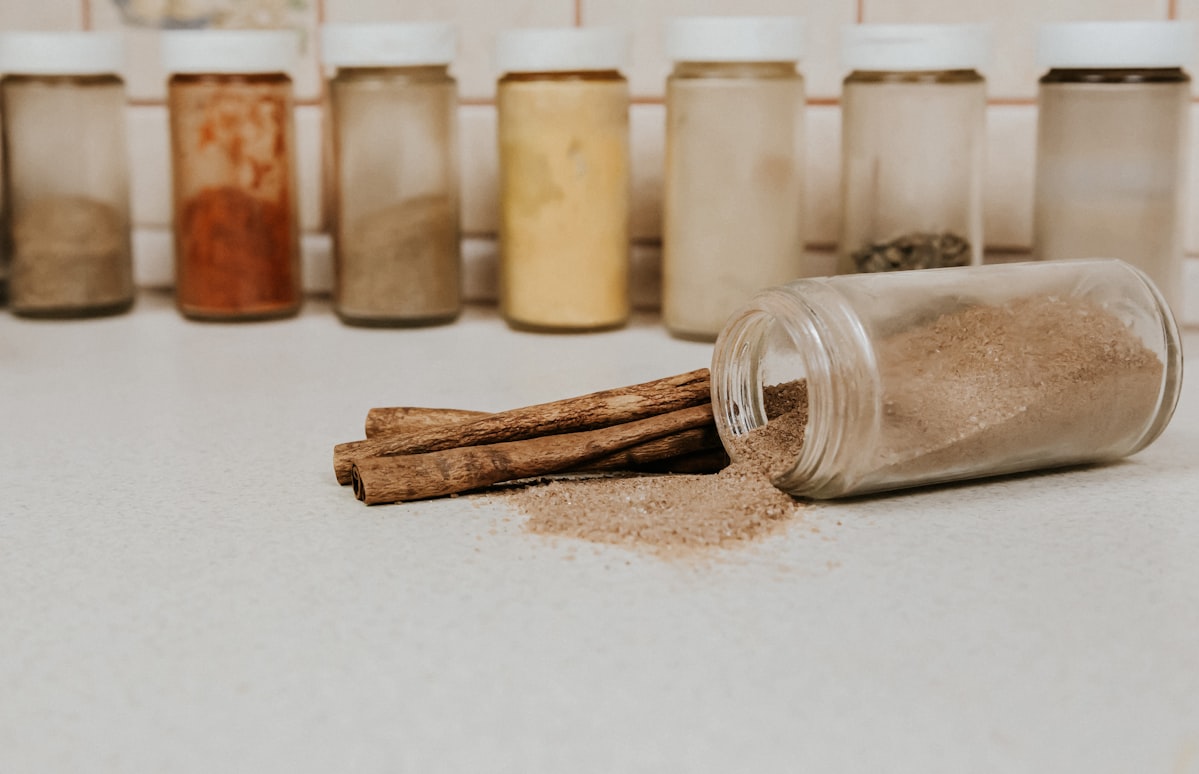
(860, 12)
(1172, 9)
(578, 13)
(85, 15)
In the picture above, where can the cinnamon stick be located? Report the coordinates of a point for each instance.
(404, 477)
(586, 412)
(396, 420)
(657, 450)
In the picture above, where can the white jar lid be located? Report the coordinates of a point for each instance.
(61, 53)
(229, 51)
(384, 45)
(735, 39)
(1116, 44)
(561, 49)
(916, 47)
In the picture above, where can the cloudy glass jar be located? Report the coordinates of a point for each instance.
(395, 186)
(1112, 137)
(563, 112)
(912, 146)
(230, 103)
(66, 174)
(734, 182)
(925, 377)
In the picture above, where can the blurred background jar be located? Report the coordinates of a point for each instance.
(233, 164)
(913, 146)
(66, 174)
(734, 181)
(1112, 128)
(563, 112)
(395, 196)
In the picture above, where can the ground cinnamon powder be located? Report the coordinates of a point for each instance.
(734, 506)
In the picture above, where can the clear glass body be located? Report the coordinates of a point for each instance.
(913, 146)
(734, 189)
(925, 377)
(233, 162)
(66, 184)
(564, 200)
(1111, 169)
(396, 244)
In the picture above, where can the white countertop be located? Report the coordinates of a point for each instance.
(184, 587)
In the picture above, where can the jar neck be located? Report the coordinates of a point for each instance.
(254, 79)
(407, 72)
(804, 330)
(914, 76)
(105, 79)
(734, 70)
(563, 75)
(1109, 75)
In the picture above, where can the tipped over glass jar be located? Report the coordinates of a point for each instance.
(915, 378)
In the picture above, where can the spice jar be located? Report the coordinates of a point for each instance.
(395, 198)
(564, 178)
(913, 141)
(232, 158)
(66, 174)
(734, 184)
(1112, 134)
(924, 377)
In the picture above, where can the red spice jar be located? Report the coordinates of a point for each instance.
(233, 162)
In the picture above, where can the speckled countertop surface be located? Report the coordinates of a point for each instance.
(184, 588)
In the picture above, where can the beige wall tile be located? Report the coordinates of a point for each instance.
(41, 14)
(649, 67)
(1013, 71)
(149, 156)
(1010, 171)
(144, 76)
(480, 169)
(1192, 210)
(309, 172)
(647, 137)
(823, 205)
(478, 24)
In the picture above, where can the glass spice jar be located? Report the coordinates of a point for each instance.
(913, 143)
(396, 243)
(924, 377)
(1112, 137)
(734, 183)
(563, 111)
(66, 175)
(232, 157)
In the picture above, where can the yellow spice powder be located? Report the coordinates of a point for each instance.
(564, 193)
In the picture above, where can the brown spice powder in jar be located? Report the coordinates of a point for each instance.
(682, 512)
(71, 255)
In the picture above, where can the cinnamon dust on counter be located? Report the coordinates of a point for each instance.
(667, 513)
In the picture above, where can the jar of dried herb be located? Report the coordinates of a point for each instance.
(866, 383)
(913, 144)
(563, 111)
(232, 158)
(1112, 140)
(395, 182)
(66, 174)
(734, 179)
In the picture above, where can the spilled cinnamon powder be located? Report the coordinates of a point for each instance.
(666, 513)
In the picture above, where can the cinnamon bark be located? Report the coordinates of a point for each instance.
(586, 412)
(434, 474)
(396, 420)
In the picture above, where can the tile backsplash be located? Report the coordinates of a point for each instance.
(1011, 83)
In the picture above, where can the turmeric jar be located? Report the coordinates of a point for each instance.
(564, 179)
(232, 158)
(66, 175)
(396, 245)
(734, 183)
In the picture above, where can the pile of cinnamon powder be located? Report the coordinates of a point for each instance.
(734, 506)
